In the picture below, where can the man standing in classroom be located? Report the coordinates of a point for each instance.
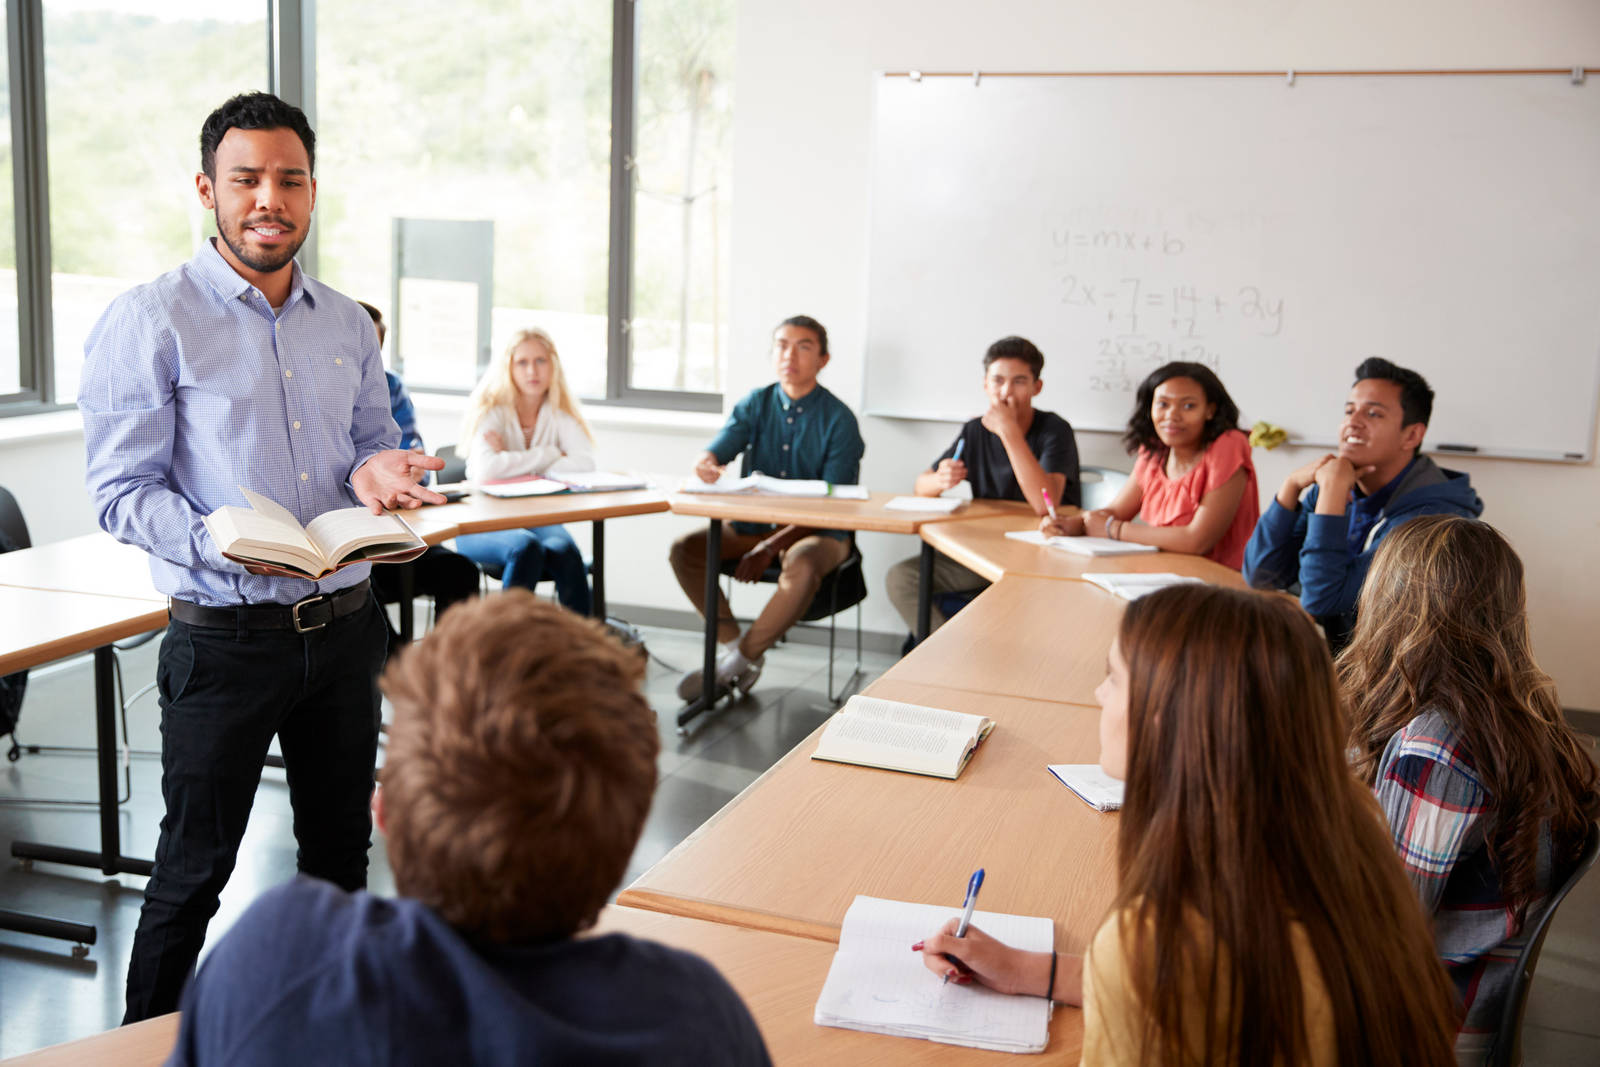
(238, 370)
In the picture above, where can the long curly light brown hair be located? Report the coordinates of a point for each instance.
(1442, 624)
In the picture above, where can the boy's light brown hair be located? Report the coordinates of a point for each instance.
(520, 768)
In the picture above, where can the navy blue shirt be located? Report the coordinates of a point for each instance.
(1364, 511)
(311, 974)
(815, 437)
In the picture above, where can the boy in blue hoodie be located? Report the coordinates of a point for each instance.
(1376, 481)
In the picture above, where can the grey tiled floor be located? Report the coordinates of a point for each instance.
(46, 996)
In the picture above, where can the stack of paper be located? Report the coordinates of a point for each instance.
(878, 984)
(761, 483)
(944, 505)
(531, 486)
(1097, 788)
(1083, 546)
(1134, 586)
(602, 481)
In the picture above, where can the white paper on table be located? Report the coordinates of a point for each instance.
(1082, 546)
(1094, 786)
(941, 504)
(1134, 586)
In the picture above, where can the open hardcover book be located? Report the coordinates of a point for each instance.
(765, 484)
(267, 532)
(876, 985)
(874, 732)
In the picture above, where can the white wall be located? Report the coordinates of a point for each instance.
(802, 137)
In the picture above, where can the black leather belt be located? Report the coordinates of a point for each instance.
(312, 613)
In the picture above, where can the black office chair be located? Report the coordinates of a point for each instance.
(455, 467)
(1507, 1051)
(843, 587)
(13, 535)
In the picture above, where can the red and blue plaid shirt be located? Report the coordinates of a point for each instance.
(1441, 815)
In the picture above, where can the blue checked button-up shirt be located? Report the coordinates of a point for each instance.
(191, 388)
(815, 437)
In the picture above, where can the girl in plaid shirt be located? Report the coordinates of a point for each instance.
(1487, 789)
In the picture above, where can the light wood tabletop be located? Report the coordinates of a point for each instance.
(40, 625)
(481, 513)
(779, 978)
(983, 546)
(93, 563)
(1040, 638)
(143, 1044)
(791, 852)
(829, 513)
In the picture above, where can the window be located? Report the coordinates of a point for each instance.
(482, 129)
(682, 195)
(128, 83)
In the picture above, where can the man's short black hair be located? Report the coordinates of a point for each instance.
(1016, 348)
(377, 316)
(253, 111)
(1416, 399)
(806, 322)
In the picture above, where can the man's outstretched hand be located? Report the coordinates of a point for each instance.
(391, 480)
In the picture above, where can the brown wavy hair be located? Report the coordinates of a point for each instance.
(1442, 624)
(1240, 812)
(520, 768)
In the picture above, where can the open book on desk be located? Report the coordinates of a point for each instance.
(875, 984)
(566, 482)
(873, 732)
(267, 532)
(759, 483)
(1082, 546)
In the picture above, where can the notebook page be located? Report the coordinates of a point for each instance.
(1092, 784)
(876, 983)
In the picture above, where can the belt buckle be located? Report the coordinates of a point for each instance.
(294, 613)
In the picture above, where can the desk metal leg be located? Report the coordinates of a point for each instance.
(597, 544)
(42, 926)
(109, 859)
(708, 664)
(925, 593)
(408, 601)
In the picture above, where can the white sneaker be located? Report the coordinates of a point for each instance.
(740, 673)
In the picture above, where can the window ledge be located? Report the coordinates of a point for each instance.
(22, 429)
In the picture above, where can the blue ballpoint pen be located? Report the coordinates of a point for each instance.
(973, 886)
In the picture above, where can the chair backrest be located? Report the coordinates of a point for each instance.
(1508, 1043)
(1100, 485)
(843, 587)
(455, 468)
(12, 523)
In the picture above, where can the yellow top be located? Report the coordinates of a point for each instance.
(1113, 1019)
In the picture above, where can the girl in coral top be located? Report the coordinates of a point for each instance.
(1193, 483)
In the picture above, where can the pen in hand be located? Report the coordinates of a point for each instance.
(973, 886)
(1049, 505)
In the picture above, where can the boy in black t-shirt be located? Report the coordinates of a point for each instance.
(1012, 452)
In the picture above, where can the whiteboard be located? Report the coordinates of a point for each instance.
(1278, 232)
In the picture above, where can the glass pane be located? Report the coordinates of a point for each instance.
(127, 85)
(475, 110)
(11, 376)
(682, 195)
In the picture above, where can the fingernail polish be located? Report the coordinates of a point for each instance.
(965, 979)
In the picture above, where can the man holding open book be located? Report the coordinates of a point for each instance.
(236, 370)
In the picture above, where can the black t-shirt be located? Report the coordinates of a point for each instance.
(989, 468)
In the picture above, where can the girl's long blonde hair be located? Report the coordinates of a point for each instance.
(497, 390)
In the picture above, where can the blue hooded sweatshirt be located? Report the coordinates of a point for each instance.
(1300, 546)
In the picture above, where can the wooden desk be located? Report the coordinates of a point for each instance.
(822, 513)
(779, 978)
(145, 1044)
(791, 852)
(1039, 638)
(982, 545)
(94, 563)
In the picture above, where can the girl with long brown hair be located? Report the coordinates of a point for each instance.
(1488, 791)
(1260, 917)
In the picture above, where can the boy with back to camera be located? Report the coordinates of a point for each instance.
(520, 770)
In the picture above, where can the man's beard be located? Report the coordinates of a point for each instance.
(266, 263)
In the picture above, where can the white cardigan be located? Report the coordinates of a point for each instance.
(559, 444)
